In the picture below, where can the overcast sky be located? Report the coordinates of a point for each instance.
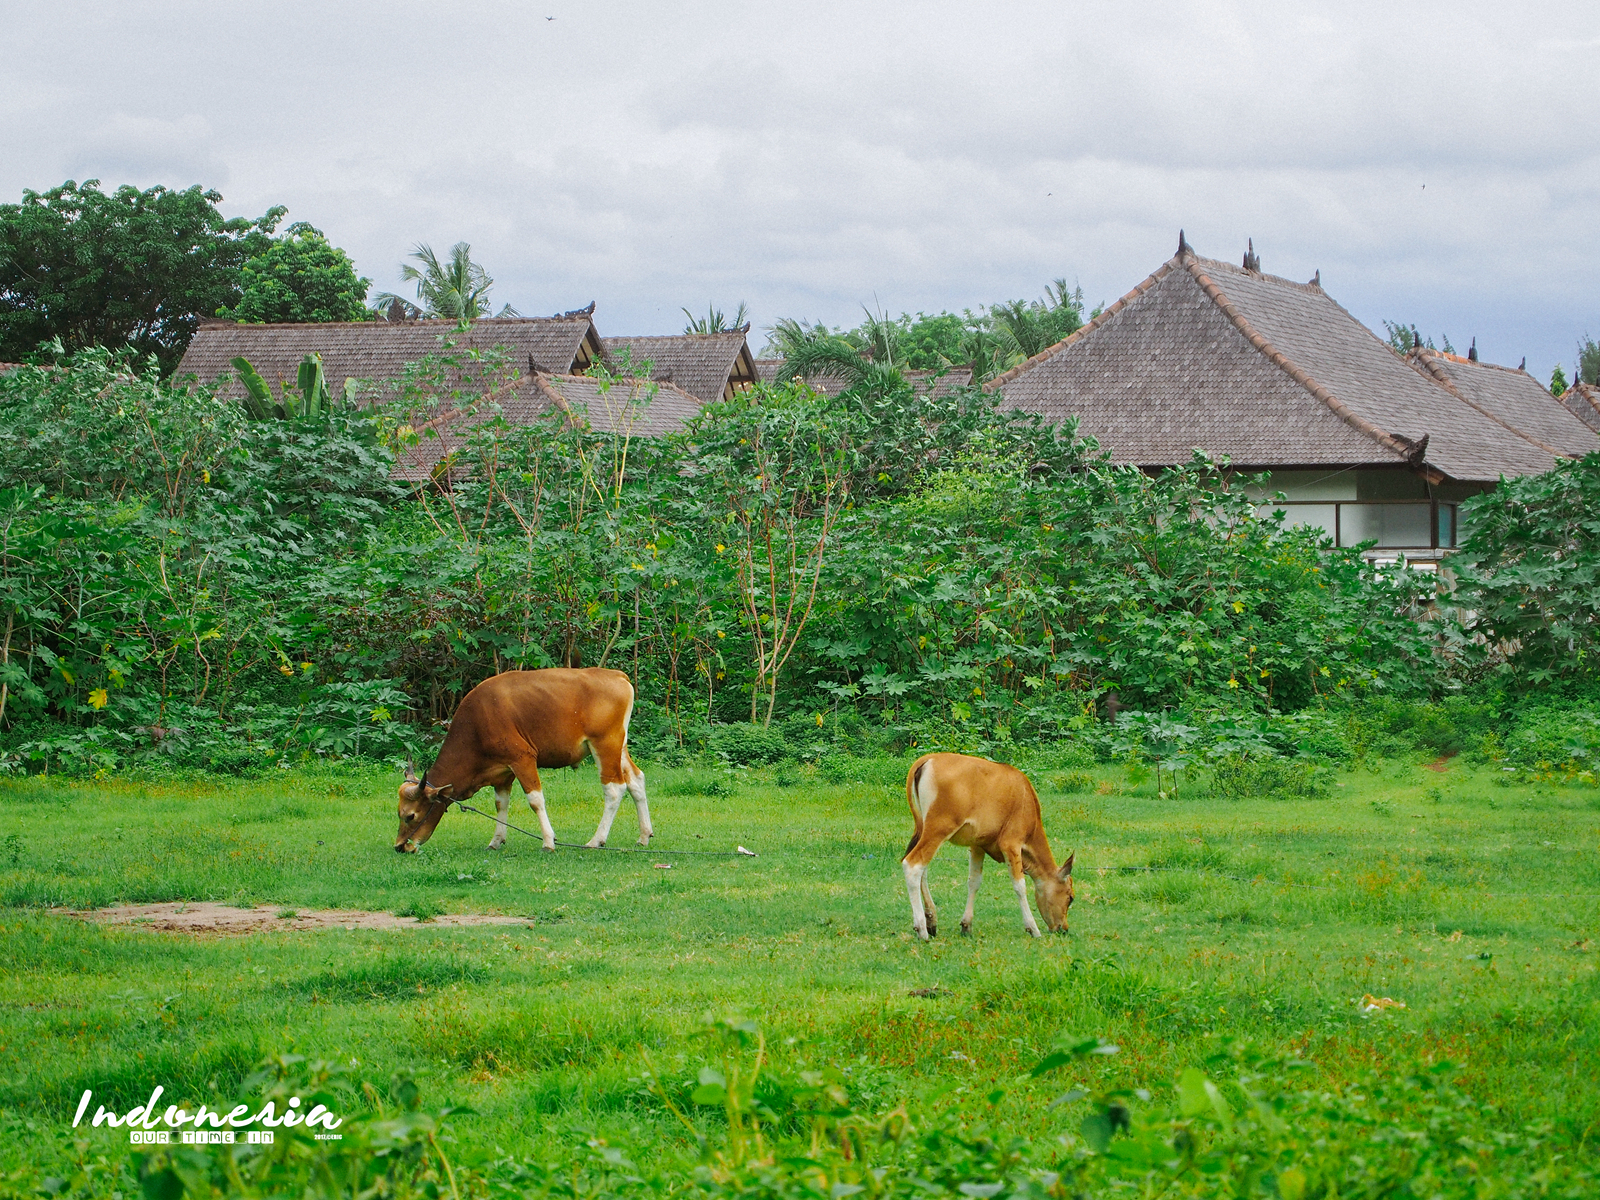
(1439, 163)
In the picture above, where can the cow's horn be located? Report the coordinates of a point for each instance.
(411, 770)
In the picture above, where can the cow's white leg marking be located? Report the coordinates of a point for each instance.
(1020, 886)
(641, 804)
(613, 794)
(919, 919)
(536, 802)
(928, 905)
(974, 879)
(502, 805)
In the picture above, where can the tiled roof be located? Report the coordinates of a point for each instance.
(619, 410)
(1269, 372)
(381, 350)
(938, 383)
(1513, 397)
(522, 401)
(706, 365)
(1582, 400)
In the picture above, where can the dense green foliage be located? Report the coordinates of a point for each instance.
(300, 277)
(987, 342)
(937, 569)
(1529, 572)
(131, 269)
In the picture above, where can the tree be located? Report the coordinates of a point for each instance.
(456, 289)
(1025, 329)
(302, 278)
(1558, 381)
(1588, 361)
(715, 322)
(136, 269)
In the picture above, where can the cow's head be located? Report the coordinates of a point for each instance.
(421, 806)
(1053, 894)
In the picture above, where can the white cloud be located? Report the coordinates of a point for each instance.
(809, 159)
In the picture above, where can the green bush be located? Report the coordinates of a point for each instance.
(1236, 777)
(1072, 783)
(749, 745)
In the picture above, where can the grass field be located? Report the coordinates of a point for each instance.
(1472, 903)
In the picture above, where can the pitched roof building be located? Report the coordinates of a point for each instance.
(1582, 400)
(633, 410)
(1276, 376)
(1511, 397)
(710, 366)
(380, 351)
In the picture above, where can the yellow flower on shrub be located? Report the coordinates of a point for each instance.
(98, 698)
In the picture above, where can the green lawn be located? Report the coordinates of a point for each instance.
(1472, 903)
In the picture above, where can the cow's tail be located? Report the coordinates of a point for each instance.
(913, 779)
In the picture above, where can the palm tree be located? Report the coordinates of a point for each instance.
(878, 338)
(715, 322)
(834, 356)
(457, 289)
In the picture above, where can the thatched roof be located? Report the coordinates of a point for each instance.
(1267, 371)
(613, 409)
(380, 351)
(1582, 400)
(710, 366)
(1511, 397)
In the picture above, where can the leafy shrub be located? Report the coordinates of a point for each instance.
(749, 745)
(1236, 777)
(698, 783)
(1552, 743)
(1072, 783)
(1527, 572)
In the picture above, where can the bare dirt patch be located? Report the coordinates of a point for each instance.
(202, 917)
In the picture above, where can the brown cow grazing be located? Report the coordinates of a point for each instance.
(511, 725)
(991, 809)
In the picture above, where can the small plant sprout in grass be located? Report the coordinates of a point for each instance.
(287, 914)
(423, 908)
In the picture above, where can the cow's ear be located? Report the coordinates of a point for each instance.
(1066, 867)
(435, 792)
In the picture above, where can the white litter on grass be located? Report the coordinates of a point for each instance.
(747, 853)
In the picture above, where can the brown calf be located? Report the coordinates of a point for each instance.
(512, 724)
(992, 810)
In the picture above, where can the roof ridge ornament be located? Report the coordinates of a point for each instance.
(1252, 260)
(1523, 365)
(1472, 351)
(1183, 245)
(1316, 280)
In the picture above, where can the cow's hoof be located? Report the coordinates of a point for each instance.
(966, 930)
(933, 931)
(550, 846)
(594, 845)
(496, 845)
